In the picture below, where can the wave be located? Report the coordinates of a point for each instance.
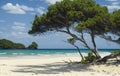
(3, 53)
(46, 53)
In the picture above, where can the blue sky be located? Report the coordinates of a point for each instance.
(16, 17)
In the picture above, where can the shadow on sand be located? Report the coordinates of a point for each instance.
(54, 68)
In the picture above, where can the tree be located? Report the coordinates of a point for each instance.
(94, 26)
(33, 45)
(82, 16)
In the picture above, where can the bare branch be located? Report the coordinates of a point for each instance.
(115, 41)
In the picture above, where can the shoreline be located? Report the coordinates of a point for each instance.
(45, 56)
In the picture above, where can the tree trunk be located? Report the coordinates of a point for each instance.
(81, 40)
(79, 52)
(94, 44)
(97, 54)
(104, 59)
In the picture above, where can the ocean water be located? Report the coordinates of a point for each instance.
(47, 52)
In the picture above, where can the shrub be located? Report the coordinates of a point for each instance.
(89, 59)
(116, 51)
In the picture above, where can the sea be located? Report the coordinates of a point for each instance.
(47, 53)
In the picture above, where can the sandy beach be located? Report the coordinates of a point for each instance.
(58, 66)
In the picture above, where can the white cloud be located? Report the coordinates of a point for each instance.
(33, 13)
(26, 8)
(18, 30)
(33, 0)
(40, 10)
(16, 9)
(2, 20)
(19, 34)
(1, 32)
(17, 26)
(13, 9)
(52, 1)
(115, 3)
(111, 0)
(113, 7)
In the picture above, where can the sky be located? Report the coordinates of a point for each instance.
(16, 17)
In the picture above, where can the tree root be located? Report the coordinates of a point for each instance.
(106, 58)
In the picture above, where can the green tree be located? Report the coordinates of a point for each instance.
(7, 44)
(33, 45)
(81, 16)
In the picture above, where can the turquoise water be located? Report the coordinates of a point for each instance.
(12, 53)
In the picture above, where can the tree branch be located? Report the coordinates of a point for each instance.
(58, 22)
(71, 34)
(86, 45)
(82, 39)
(93, 40)
(115, 41)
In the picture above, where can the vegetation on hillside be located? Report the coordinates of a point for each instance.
(7, 44)
(33, 45)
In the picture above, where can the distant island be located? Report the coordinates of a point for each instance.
(7, 44)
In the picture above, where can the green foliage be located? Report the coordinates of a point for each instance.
(116, 51)
(96, 19)
(33, 45)
(89, 59)
(71, 40)
(113, 27)
(86, 13)
(115, 20)
(19, 46)
(90, 17)
(7, 44)
(84, 16)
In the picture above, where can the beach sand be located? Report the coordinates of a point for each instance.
(55, 66)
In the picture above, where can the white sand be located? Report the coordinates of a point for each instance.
(54, 67)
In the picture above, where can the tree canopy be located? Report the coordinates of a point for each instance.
(113, 32)
(115, 20)
(82, 16)
(63, 14)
